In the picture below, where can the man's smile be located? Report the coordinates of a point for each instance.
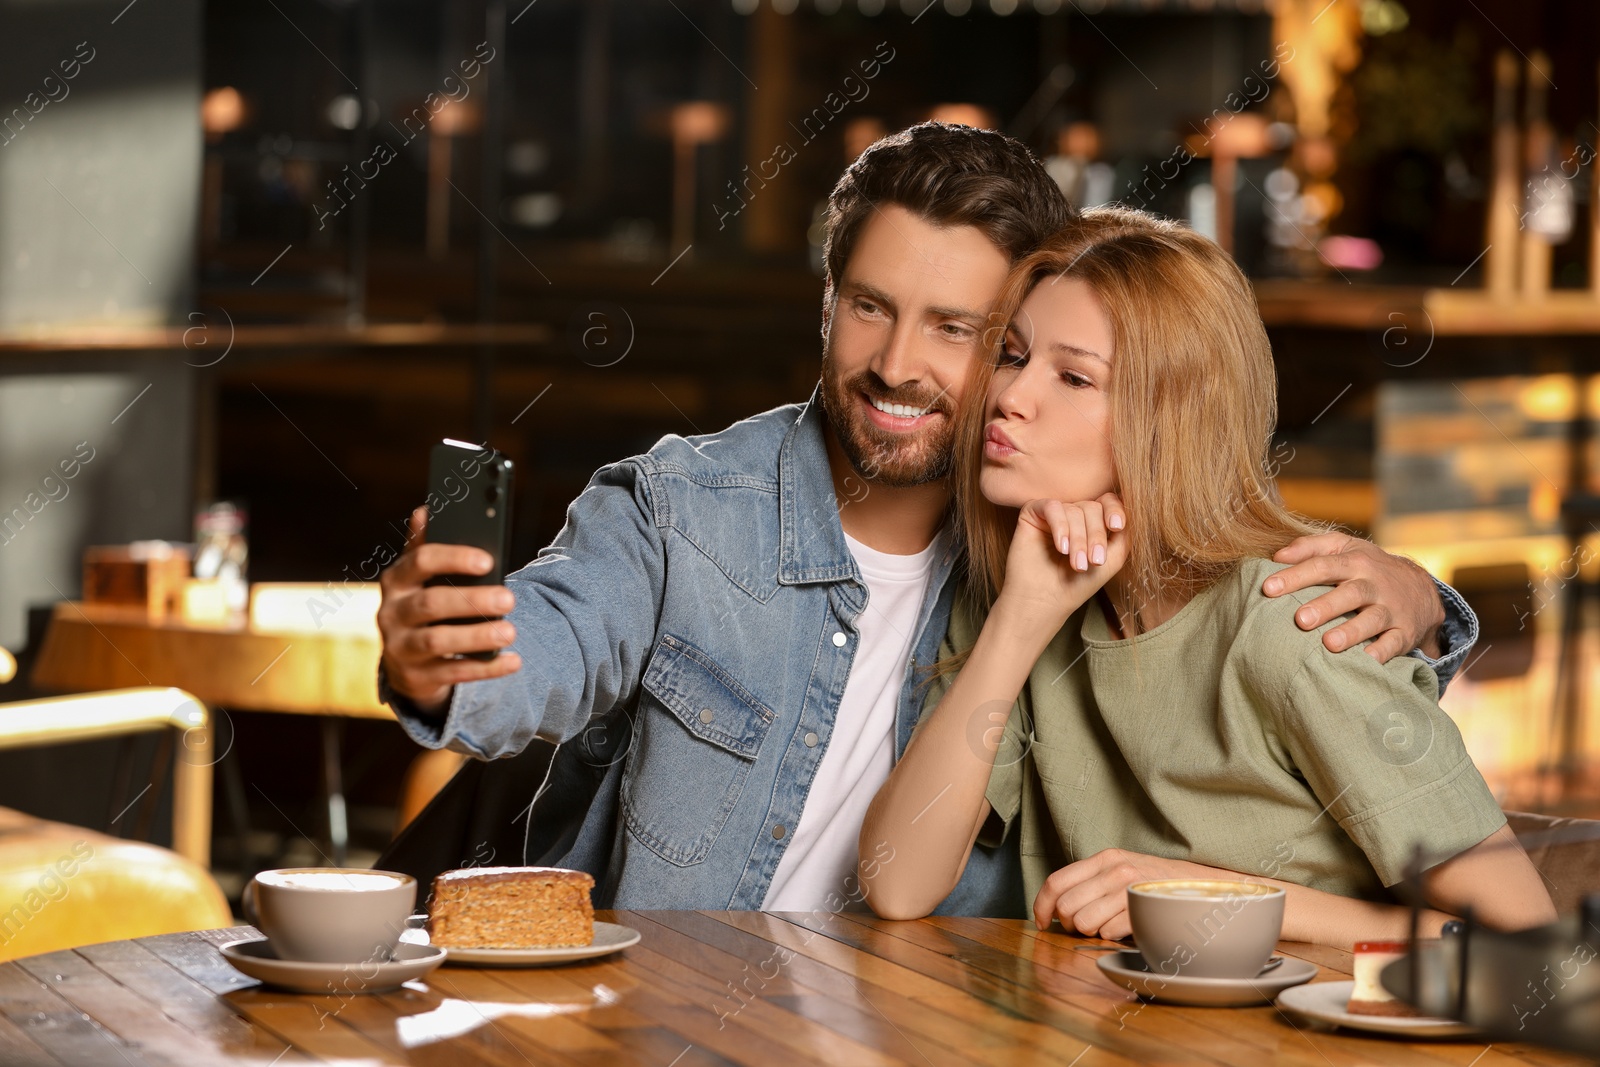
(897, 418)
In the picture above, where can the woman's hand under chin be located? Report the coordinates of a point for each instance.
(1061, 555)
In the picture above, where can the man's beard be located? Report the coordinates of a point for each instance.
(896, 460)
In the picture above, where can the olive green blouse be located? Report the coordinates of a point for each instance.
(1230, 737)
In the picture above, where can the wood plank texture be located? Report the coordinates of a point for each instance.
(701, 988)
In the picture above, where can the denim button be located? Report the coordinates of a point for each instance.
(778, 831)
(705, 715)
(839, 640)
(811, 740)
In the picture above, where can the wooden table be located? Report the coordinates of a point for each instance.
(323, 673)
(700, 988)
(326, 673)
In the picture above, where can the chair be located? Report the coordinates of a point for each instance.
(430, 771)
(1565, 851)
(62, 886)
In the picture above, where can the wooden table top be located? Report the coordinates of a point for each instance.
(700, 988)
(233, 666)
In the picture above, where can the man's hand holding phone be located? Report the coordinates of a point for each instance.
(423, 660)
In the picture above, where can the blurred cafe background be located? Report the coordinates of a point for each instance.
(257, 256)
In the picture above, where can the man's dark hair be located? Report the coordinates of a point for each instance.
(952, 176)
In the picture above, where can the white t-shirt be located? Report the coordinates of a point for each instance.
(821, 857)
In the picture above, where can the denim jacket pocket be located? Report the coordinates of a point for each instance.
(699, 732)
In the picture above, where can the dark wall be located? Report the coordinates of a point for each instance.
(99, 180)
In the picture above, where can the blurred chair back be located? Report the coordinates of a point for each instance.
(1565, 851)
(62, 886)
(118, 712)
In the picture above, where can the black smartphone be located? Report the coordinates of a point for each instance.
(469, 503)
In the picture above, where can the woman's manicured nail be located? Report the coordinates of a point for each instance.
(1064, 546)
(1082, 561)
(1099, 555)
(1115, 522)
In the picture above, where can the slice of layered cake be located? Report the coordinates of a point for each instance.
(511, 907)
(1368, 997)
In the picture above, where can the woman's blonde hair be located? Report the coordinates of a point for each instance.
(1192, 406)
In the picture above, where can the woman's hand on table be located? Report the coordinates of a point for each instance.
(1090, 897)
(1062, 554)
(421, 659)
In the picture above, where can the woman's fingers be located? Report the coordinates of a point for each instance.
(1092, 905)
(1077, 538)
(1054, 888)
(1055, 514)
(1094, 528)
(1116, 518)
(1077, 531)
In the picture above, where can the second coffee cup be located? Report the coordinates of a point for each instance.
(330, 914)
(1205, 929)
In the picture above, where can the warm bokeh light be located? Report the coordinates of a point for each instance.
(859, 135)
(454, 119)
(222, 111)
(699, 121)
(965, 115)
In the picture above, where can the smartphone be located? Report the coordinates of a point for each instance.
(469, 503)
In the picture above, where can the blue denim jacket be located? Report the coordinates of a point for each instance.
(705, 590)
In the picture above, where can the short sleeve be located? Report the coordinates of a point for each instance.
(1005, 781)
(1389, 765)
(1004, 792)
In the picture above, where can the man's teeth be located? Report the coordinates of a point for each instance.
(898, 409)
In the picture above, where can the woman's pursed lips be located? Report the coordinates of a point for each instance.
(997, 444)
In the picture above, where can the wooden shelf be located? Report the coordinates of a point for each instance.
(214, 335)
(1450, 312)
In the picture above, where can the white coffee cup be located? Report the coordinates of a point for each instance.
(1200, 928)
(331, 914)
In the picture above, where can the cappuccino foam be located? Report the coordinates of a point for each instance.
(1203, 890)
(331, 881)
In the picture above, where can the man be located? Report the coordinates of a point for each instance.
(759, 601)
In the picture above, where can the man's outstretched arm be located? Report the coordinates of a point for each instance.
(421, 661)
(1396, 603)
(580, 623)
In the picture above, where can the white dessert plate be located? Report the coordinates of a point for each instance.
(1128, 969)
(1326, 1002)
(254, 957)
(608, 938)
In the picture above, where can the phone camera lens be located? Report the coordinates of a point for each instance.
(493, 494)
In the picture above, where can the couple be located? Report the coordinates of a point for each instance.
(1169, 721)
(762, 605)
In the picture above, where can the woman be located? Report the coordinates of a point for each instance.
(1180, 725)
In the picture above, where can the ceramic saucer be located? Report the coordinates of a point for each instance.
(608, 938)
(1326, 1002)
(255, 958)
(1128, 969)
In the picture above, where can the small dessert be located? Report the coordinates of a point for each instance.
(511, 907)
(1368, 997)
